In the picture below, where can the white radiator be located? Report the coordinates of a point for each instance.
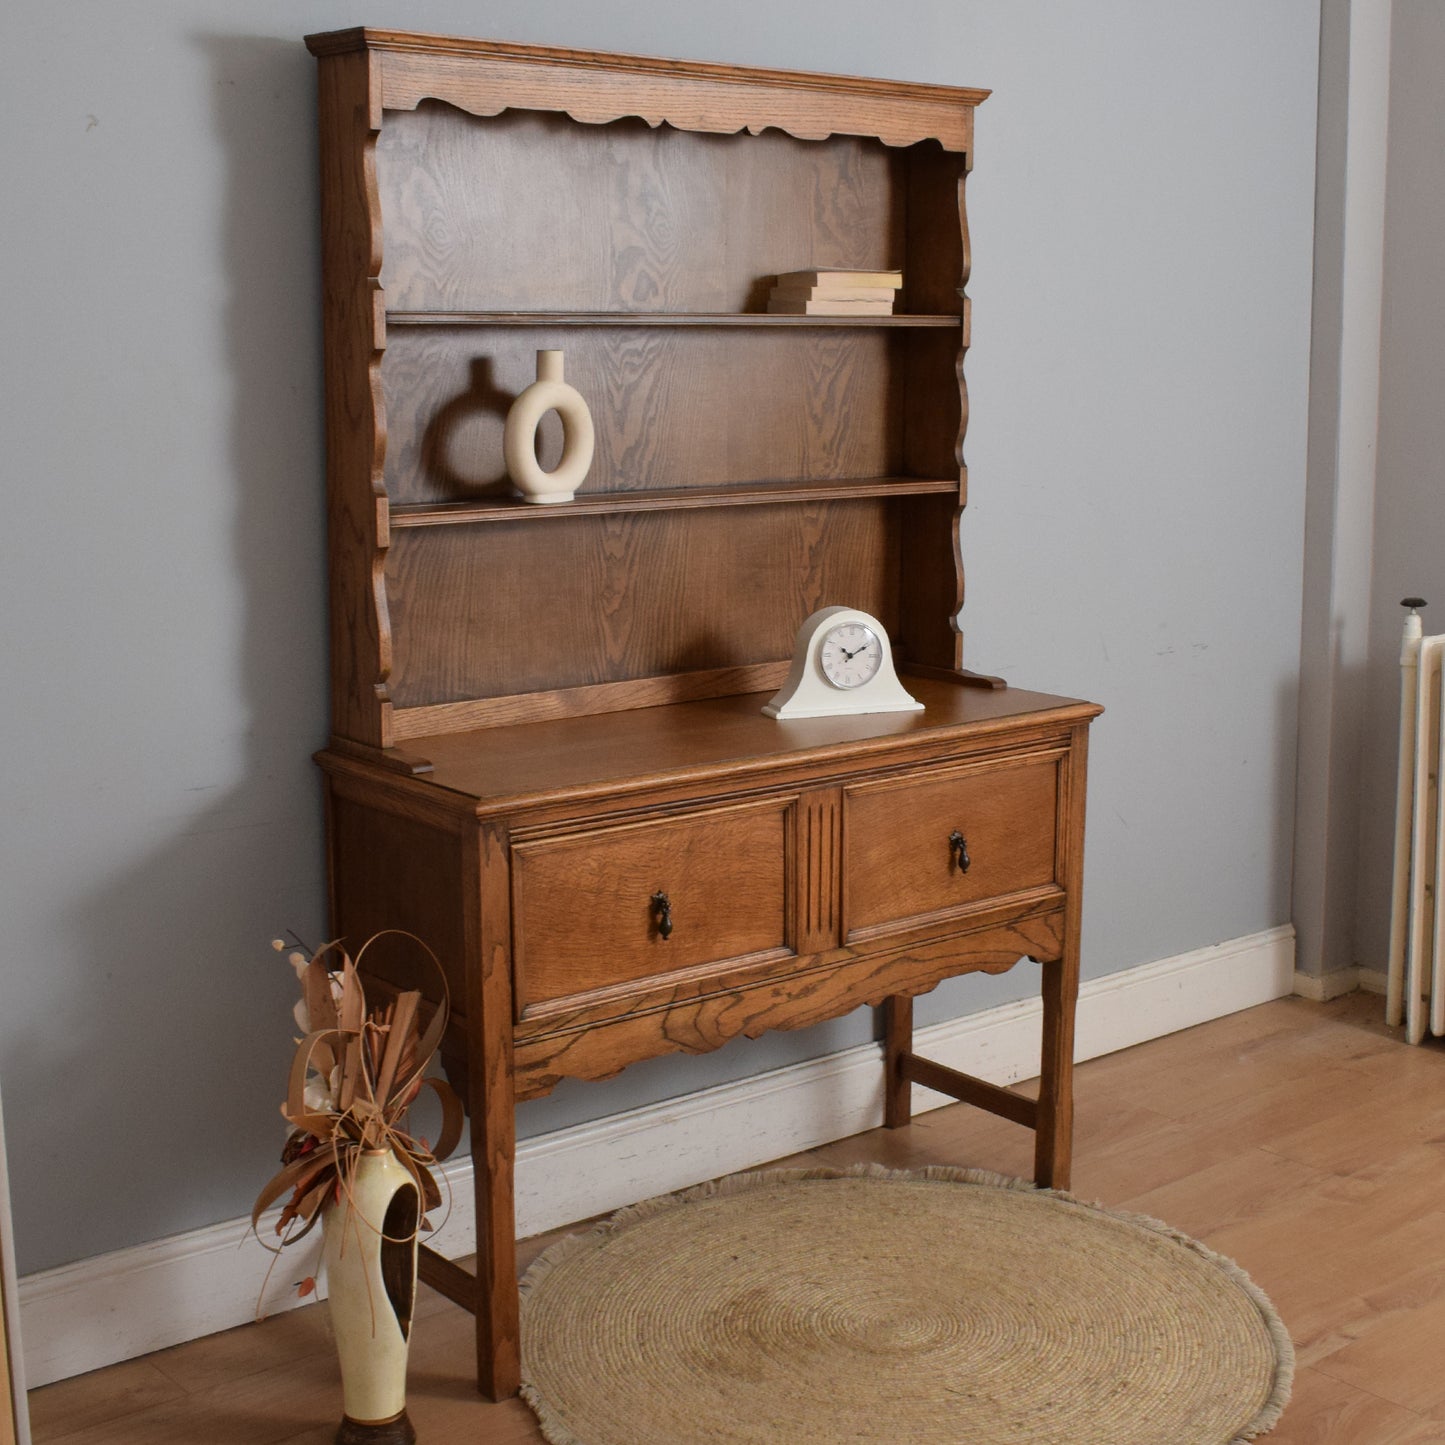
(1416, 993)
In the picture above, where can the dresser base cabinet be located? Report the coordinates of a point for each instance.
(592, 908)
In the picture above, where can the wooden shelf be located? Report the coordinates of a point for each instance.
(707, 319)
(513, 509)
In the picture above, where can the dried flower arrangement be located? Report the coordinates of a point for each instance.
(355, 1075)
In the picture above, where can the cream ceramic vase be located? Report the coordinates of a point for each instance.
(519, 438)
(370, 1253)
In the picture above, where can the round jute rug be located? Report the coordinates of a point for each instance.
(941, 1306)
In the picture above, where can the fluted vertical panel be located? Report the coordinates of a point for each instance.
(817, 871)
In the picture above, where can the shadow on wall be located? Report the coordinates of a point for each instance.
(168, 1069)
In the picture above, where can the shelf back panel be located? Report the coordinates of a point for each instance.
(506, 609)
(528, 210)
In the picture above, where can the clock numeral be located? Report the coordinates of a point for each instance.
(662, 914)
(958, 850)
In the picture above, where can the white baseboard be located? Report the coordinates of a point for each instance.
(1374, 980)
(1322, 988)
(130, 1302)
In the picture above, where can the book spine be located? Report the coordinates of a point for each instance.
(829, 308)
(834, 293)
(833, 279)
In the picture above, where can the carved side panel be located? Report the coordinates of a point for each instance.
(355, 337)
(936, 411)
(967, 266)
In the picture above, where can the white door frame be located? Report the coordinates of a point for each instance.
(14, 1416)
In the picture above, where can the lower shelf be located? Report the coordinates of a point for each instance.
(514, 509)
(695, 319)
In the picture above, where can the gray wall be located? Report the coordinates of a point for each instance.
(1409, 521)
(1142, 227)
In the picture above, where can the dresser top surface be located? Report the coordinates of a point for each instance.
(724, 738)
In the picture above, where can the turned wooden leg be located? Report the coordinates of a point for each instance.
(492, 1104)
(1053, 1144)
(897, 1042)
(498, 1330)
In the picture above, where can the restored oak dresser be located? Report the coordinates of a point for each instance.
(549, 759)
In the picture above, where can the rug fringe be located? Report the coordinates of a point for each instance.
(554, 1429)
(556, 1432)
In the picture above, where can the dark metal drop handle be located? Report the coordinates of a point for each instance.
(958, 848)
(662, 913)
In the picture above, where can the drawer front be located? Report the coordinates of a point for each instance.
(584, 916)
(907, 839)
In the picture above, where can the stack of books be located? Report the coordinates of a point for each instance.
(835, 293)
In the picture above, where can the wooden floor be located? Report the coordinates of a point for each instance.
(1304, 1140)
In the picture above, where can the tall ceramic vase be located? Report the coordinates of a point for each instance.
(370, 1254)
(519, 438)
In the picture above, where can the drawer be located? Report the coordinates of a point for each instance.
(900, 866)
(583, 915)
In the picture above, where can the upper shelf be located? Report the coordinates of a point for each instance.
(652, 318)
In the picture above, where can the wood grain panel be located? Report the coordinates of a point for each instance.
(621, 217)
(391, 872)
(932, 584)
(671, 408)
(582, 904)
(935, 261)
(933, 411)
(899, 863)
(931, 595)
(502, 609)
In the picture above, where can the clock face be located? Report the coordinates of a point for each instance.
(851, 654)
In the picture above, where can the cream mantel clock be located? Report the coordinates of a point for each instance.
(841, 664)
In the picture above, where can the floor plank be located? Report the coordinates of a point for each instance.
(1304, 1140)
(100, 1398)
(1323, 1411)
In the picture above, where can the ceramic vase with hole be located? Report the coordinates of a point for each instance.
(519, 439)
(370, 1253)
